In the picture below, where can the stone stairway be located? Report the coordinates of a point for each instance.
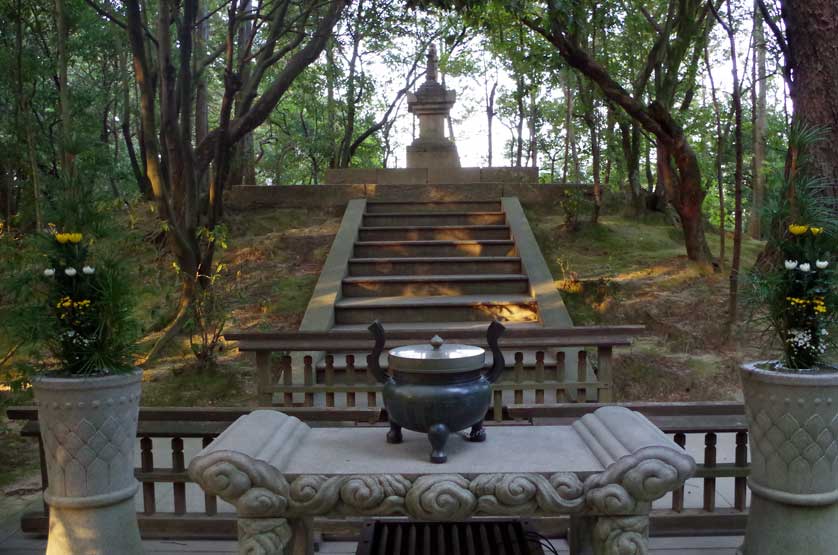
(444, 265)
(435, 265)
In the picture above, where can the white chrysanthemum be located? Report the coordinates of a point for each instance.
(791, 264)
(88, 270)
(821, 264)
(805, 267)
(70, 271)
(49, 272)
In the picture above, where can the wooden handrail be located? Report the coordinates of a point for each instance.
(343, 340)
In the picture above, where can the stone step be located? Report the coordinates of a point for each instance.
(376, 207)
(385, 286)
(437, 327)
(401, 219)
(434, 232)
(449, 265)
(486, 247)
(469, 308)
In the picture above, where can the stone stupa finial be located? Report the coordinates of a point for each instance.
(432, 64)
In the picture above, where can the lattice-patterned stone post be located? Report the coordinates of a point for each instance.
(89, 426)
(793, 422)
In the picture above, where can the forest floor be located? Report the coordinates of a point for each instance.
(618, 272)
(626, 272)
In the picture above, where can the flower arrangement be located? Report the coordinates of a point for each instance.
(77, 308)
(795, 282)
(804, 306)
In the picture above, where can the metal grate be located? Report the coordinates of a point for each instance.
(474, 537)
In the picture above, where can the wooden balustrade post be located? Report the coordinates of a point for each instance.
(740, 484)
(606, 392)
(330, 379)
(519, 377)
(372, 399)
(582, 376)
(147, 465)
(178, 488)
(497, 405)
(710, 462)
(678, 494)
(287, 380)
(308, 379)
(561, 392)
(264, 387)
(539, 376)
(210, 501)
(351, 377)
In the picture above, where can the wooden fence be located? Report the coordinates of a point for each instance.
(331, 368)
(680, 420)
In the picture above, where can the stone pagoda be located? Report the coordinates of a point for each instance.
(432, 103)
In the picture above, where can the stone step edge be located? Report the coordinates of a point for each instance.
(432, 214)
(436, 259)
(434, 242)
(435, 278)
(434, 301)
(476, 227)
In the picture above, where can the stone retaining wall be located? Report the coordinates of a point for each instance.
(430, 176)
(337, 196)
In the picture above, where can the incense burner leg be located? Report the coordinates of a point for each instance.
(477, 433)
(438, 436)
(395, 433)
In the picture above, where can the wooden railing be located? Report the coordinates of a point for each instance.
(180, 425)
(331, 367)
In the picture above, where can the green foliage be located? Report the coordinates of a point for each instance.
(209, 313)
(68, 296)
(74, 303)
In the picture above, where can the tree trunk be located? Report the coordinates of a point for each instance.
(519, 125)
(490, 116)
(760, 123)
(201, 94)
(812, 36)
(63, 89)
(351, 100)
(596, 164)
(733, 297)
(142, 181)
(570, 132)
(244, 165)
(533, 127)
(331, 109)
(720, 142)
(630, 142)
(683, 188)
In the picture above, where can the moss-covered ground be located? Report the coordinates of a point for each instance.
(622, 271)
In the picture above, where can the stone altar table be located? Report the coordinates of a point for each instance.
(604, 470)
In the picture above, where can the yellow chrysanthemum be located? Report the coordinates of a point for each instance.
(64, 238)
(796, 229)
(816, 230)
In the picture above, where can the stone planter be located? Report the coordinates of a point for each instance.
(793, 421)
(89, 426)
